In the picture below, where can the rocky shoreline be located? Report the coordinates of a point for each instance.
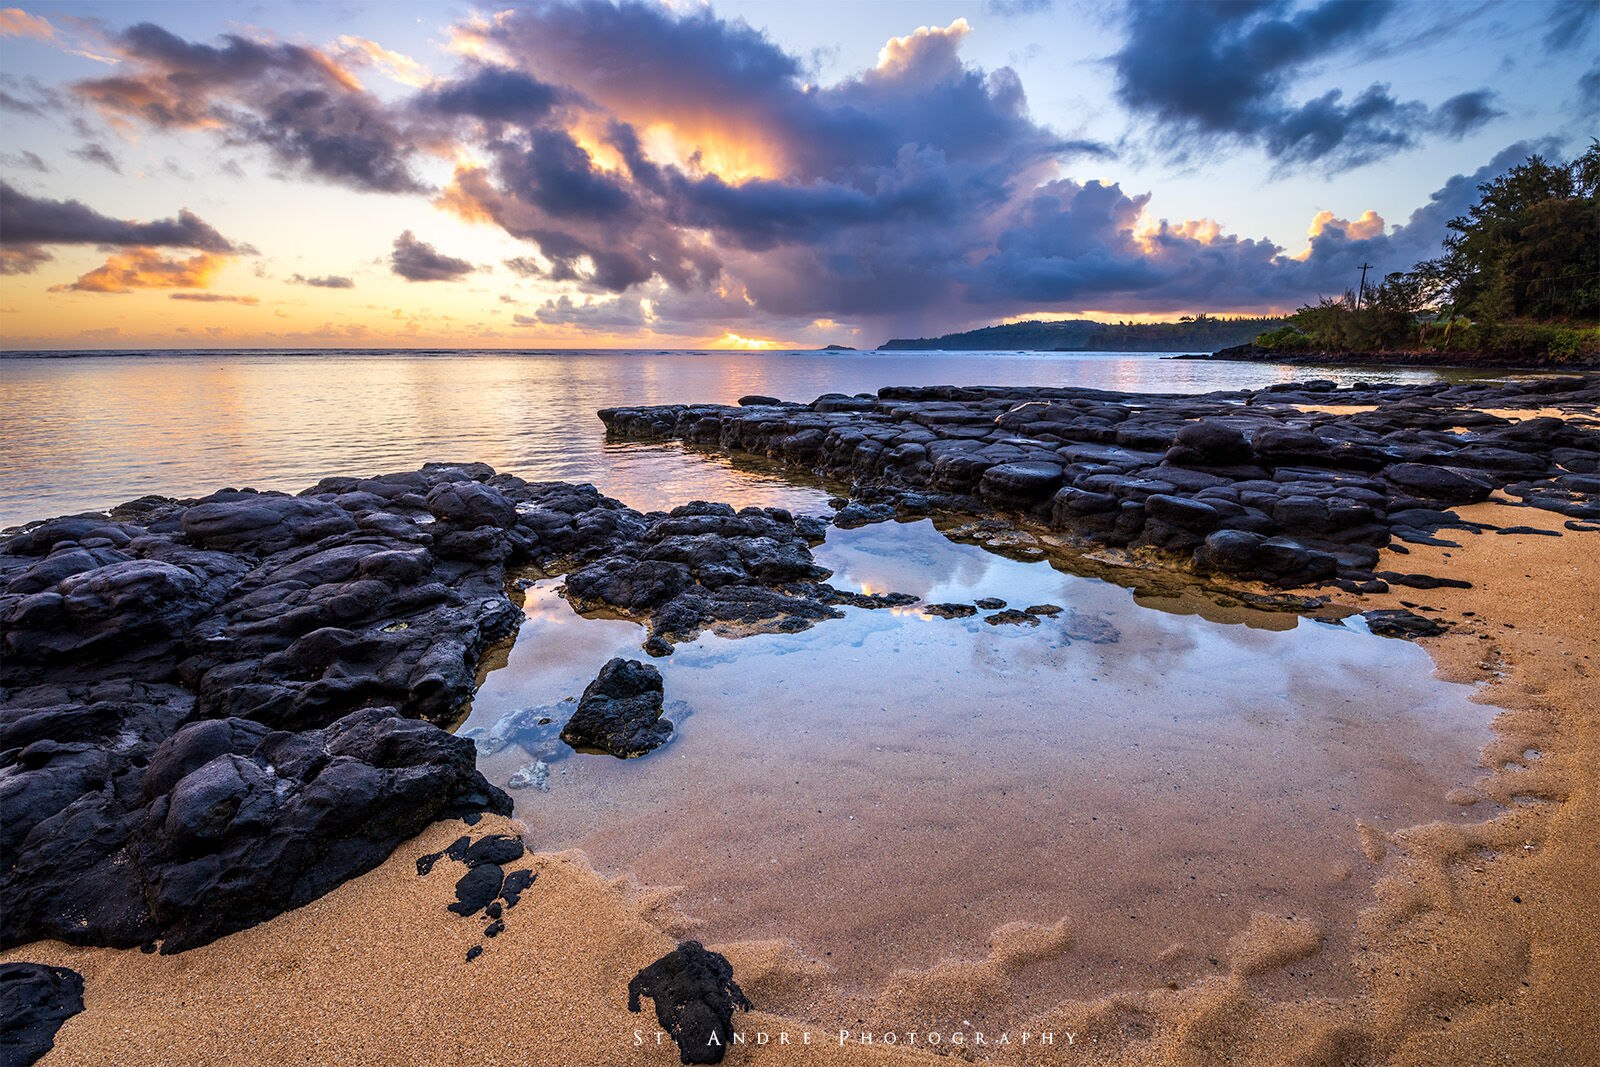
(218, 710)
(1253, 353)
(1253, 484)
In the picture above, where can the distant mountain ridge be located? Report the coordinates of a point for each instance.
(1201, 333)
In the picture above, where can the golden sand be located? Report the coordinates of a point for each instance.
(1481, 943)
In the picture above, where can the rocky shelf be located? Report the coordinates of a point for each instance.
(1251, 484)
(214, 710)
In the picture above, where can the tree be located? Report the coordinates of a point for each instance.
(1530, 246)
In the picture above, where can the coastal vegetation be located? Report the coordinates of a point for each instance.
(1189, 334)
(1518, 278)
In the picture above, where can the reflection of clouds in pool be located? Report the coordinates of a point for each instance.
(889, 788)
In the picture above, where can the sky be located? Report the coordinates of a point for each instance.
(742, 174)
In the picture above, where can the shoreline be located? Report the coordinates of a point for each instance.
(1442, 938)
(466, 527)
(1430, 358)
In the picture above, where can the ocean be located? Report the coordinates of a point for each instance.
(86, 431)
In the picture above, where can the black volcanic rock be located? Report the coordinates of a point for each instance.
(1398, 622)
(695, 997)
(1257, 484)
(213, 710)
(270, 821)
(620, 712)
(35, 999)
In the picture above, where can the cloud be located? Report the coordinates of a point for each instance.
(1465, 112)
(1589, 90)
(15, 22)
(146, 268)
(296, 101)
(679, 173)
(358, 51)
(22, 259)
(697, 140)
(417, 261)
(1203, 73)
(618, 315)
(27, 223)
(26, 96)
(99, 155)
(1570, 23)
(27, 161)
(330, 281)
(493, 94)
(215, 298)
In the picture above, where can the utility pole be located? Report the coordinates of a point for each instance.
(1364, 268)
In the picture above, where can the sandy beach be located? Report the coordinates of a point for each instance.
(1479, 944)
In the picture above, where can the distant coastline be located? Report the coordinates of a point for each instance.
(1190, 334)
(1253, 353)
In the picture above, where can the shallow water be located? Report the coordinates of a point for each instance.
(89, 432)
(889, 788)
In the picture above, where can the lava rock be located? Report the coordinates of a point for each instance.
(1011, 616)
(695, 997)
(35, 999)
(1398, 622)
(1208, 443)
(1422, 581)
(620, 712)
(476, 888)
(951, 611)
(516, 884)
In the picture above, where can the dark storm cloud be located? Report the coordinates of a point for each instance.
(1204, 72)
(331, 281)
(697, 71)
(1077, 245)
(28, 222)
(639, 153)
(921, 140)
(418, 261)
(494, 94)
(293, 100)
(342, 137)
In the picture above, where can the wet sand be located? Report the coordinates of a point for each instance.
(888, 789)
(1479, 943)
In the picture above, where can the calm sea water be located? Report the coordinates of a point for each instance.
(90, 431)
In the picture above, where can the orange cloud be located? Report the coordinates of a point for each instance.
(1147, 231)
(466, 195)
(1370, 224)
(145, 268)
(901, 54)
(15, 22)
(396, 65)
